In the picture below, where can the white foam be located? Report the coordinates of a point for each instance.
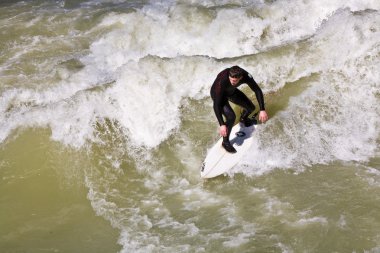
(182, 29)
(284, 248)
(325, 122)
(313, 220)
(342, 223)
(149, 91)
(370, 175)
(138, 75)
(148, 95)
(373, 250)
(238, 240)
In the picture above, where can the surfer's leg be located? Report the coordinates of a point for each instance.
(230, 115)
(243, 101)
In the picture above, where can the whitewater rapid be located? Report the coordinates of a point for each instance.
(150, 60)
(129, 82)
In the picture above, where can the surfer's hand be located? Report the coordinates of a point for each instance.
(223, 130)
(263, 116)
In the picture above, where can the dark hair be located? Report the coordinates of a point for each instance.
(235, 72)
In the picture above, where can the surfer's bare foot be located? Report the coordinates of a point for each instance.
(228, 147)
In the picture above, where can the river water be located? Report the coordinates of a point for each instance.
(105, 119)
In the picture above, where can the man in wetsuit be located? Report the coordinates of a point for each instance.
(224, 89)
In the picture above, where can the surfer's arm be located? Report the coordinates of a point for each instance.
(218, 111)
(218, 103)
(258, 92)
(263, 116)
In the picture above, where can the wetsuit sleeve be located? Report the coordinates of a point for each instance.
(256, 89)
(218, 102)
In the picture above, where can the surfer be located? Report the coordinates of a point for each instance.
(224, 89)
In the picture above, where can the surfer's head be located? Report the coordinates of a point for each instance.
(235, 74)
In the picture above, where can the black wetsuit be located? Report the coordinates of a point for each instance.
(223, 91)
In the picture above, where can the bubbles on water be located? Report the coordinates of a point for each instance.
(127, 97)
(325, 123)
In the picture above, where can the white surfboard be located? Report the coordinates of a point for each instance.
(218, 161)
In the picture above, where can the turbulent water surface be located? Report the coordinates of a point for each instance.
(105, 119)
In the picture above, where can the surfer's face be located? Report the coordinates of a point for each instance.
(235, 80)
